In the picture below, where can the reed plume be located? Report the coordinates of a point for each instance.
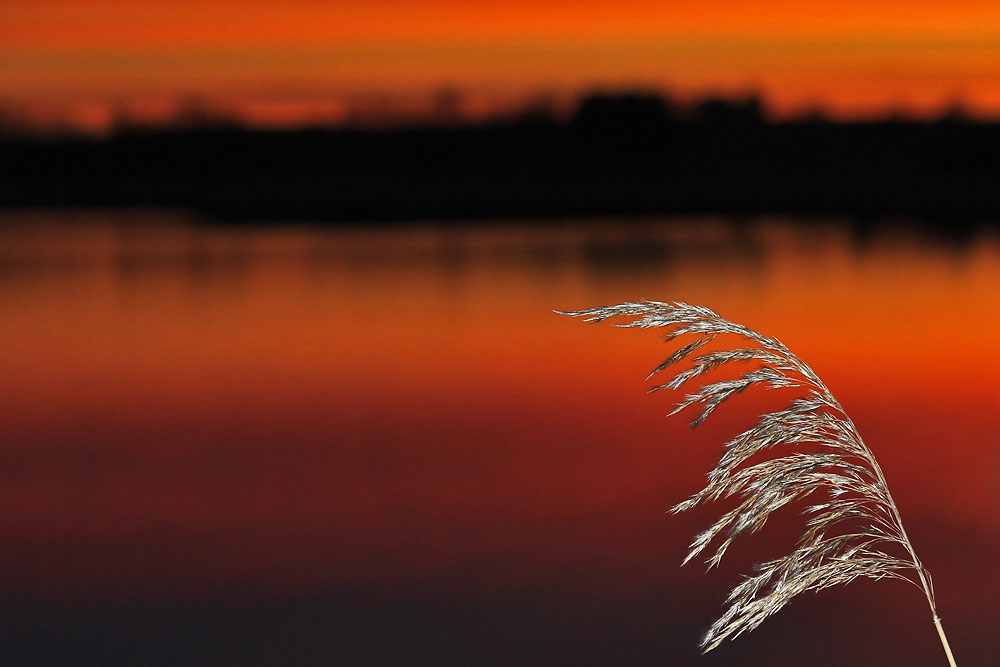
(856, 531)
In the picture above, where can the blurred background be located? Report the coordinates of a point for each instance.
(280, 379)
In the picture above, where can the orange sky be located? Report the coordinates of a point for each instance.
(275, 58)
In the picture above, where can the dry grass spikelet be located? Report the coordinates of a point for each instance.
(854, 531)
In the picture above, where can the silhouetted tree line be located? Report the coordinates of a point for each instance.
(619, 154)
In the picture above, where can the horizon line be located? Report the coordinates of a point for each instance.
(441, 105)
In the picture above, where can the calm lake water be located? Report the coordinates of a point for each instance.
(297, 446)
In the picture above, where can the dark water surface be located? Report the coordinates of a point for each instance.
(295, 446)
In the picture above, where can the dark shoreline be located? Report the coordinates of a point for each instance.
(625, 159)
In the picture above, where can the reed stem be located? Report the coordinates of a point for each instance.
(944, 641)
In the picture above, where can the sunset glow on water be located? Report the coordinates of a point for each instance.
(374, 446)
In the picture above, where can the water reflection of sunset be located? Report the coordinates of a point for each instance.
(398, 416)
